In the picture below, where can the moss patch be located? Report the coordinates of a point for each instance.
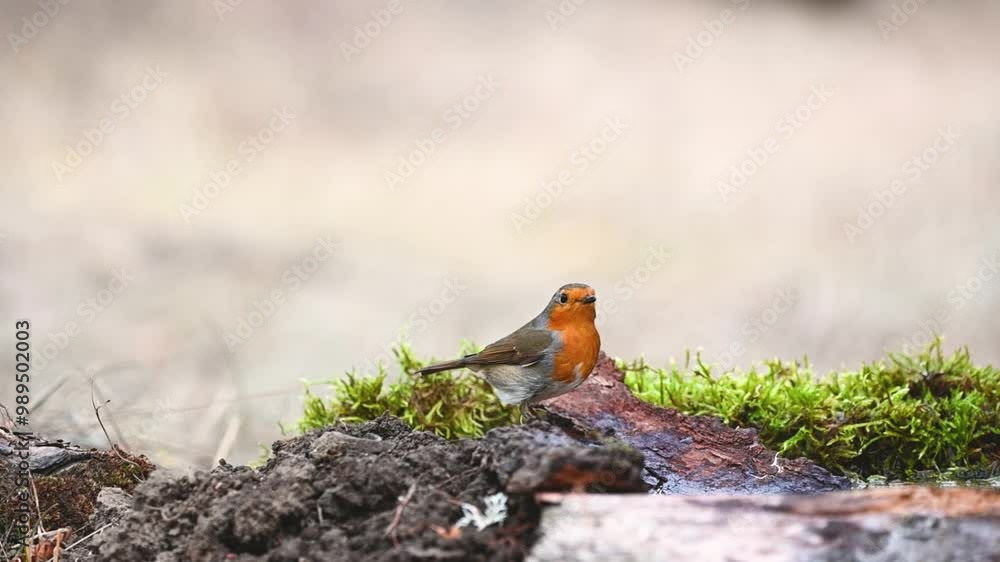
(66, 499)
(907, 417)
(450, 405)
(911, 417)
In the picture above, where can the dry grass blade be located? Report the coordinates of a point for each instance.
(392, 528)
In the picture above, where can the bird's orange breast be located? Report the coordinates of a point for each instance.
(580, 345)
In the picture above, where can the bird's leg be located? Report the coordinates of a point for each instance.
(531, 411)
(526, 414)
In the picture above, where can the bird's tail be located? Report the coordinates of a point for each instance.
(446, 366)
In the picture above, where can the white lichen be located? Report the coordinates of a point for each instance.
(494, 512)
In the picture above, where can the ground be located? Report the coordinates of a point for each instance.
(377, 490)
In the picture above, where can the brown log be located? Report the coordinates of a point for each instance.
(883, 525)
(685, 454)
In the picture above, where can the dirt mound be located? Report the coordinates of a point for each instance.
(372, 491)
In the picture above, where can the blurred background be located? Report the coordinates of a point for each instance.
(203, 203)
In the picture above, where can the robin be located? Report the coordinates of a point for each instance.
(551, 355)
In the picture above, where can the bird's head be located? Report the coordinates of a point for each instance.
(572, 303)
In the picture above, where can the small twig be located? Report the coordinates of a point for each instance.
(97, 412)
(38, 507)
(111, 419)
(57, 550)
(97, 532)
(228, 437)
(392, 528)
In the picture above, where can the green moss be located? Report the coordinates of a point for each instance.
(66, 499)
(448, 404)
(903, 417)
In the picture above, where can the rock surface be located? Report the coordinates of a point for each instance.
(685, 454)
(882, 525)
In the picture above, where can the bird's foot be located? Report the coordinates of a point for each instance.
(532, 412)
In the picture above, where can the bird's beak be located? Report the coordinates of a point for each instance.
(589, 300)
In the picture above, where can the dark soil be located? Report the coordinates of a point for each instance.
(334, 494)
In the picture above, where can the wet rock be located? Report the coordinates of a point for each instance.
(111, 506)
(685, 454)
(335, 442)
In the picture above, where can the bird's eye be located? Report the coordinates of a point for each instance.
(563, 298)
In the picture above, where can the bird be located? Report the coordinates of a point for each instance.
(547, 357)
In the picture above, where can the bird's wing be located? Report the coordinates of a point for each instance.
(523, 347)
